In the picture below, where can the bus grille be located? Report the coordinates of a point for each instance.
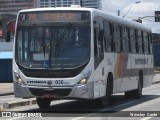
(58, 92)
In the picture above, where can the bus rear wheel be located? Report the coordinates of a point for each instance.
(43, 103)
(138, 92)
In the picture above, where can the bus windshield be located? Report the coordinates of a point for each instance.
(53, 47)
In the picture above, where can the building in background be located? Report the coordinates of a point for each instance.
(14, 6)
(57, 3)
(67, 3)
(8, 12)
(92, 3)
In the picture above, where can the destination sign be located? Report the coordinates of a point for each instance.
(54, 16)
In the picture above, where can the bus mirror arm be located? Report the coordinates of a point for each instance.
(8, 39)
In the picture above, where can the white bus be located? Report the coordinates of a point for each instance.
(79, 53)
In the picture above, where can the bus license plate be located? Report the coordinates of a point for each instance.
(50, 95)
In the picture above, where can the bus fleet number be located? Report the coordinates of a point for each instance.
(59, 82)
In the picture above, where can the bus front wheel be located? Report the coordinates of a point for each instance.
(104, 101)
(43, 102)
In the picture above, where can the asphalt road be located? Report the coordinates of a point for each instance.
(78, 110)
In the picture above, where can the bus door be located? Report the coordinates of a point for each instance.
(98, 57)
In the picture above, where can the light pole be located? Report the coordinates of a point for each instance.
(131, 7)
(118, 12)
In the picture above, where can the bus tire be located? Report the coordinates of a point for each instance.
(138, 92)
(43, 103)
(128, 95)
(110, 87)
(102, 102)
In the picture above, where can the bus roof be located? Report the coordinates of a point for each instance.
(111, 17)
(57, 8)
(123, 21)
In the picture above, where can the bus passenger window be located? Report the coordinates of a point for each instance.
(116, 37)
(132, 40)
(136, 41)
(107, 36)
(125, 39)
(146, 44)
(129, 39)
(98, 41)
(139, 41)
(149, 43)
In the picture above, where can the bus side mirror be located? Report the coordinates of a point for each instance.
(10, 29)
(8, 38)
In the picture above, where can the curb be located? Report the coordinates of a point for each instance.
(156, 72)
(155, 82)
(8, 93)
(14, 104)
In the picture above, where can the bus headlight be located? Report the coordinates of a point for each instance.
(18, 78)
(85, 78)
(83, 81)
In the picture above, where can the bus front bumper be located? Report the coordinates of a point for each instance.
(70, 92)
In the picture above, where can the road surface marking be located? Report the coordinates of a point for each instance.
(7, 99)
(104, 110)
(146, 118)
(14, 118)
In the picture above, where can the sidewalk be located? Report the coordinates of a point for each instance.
(6, 89)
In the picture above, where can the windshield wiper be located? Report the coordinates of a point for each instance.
(68, 27)
(64, 32)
